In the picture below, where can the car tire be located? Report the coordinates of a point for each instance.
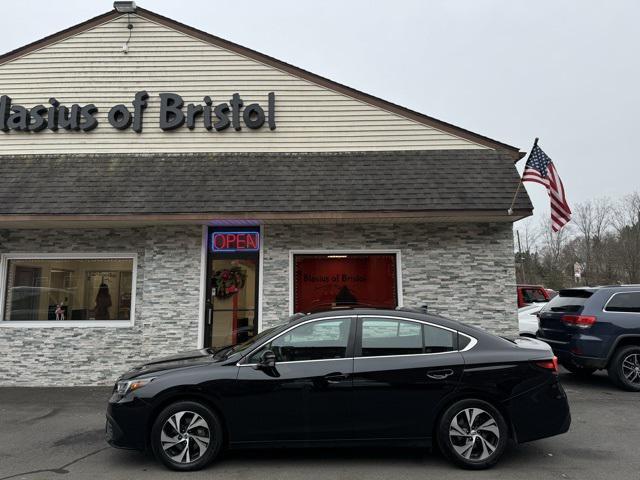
(579, 370)
(624, 368)
(186, 436)
(476, 446)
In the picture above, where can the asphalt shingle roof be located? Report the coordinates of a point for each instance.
(105, 184)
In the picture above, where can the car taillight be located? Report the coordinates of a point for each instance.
(549, 364)
(582, 321)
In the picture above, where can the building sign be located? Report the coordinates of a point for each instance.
(323, 282)
(173, 114)
(235, 241)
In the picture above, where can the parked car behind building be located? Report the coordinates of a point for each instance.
(528, 319)
(528, 294)
(594, 328)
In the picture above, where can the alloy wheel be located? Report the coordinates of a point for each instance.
(631, 368)
(185, 437)
(474, 434)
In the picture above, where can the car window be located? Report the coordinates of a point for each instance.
(383, 337)
(624, 302)
(571, 301)
(437, 340)
(531, 295)
(320, 340)
(463, 341)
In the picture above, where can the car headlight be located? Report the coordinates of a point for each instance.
(126, 386)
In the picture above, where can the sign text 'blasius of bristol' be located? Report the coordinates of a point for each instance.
(173, 114)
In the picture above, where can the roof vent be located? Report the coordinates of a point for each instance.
(125, 7)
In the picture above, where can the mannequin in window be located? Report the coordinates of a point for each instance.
(346, 297)
(103, 303)
(59, 312)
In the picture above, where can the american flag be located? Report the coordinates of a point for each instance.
(540, 169)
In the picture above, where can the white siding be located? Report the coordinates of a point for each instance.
(91, 68)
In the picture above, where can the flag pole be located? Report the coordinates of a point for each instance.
(510, 210)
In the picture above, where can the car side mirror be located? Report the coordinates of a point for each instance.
(267, 360)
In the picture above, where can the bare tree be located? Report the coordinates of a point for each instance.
(525, 239)
(554, 262)
(604, 238)
(627, 224)
(593, 220)
(553, 243)
(529, 235)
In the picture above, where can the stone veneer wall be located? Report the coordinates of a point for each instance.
(463, 271)
(166, 316)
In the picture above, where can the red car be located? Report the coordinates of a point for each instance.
(528, 294)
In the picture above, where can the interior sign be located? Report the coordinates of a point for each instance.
(235, 241)
(173, 114)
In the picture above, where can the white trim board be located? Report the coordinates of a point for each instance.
(260, 277)
(4, 261)
(395, 252)
(203, 286)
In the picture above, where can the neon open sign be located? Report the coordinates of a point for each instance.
(235, 241)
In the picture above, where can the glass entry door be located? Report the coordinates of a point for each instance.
(232, 295)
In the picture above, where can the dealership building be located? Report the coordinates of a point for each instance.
(163, 189)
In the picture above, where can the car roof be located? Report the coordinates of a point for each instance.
(601, 287)
(630, 285)
(578, 289)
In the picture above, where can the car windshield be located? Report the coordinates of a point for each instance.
(241, 347)
(248, 345)
(571, 301)
(531, 295)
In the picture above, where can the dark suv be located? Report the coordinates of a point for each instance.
(596, 328)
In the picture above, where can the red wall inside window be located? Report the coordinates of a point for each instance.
(322, 282)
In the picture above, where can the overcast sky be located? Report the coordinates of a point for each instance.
(565, 71)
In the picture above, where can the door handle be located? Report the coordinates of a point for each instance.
(440, 374)
(335, 377)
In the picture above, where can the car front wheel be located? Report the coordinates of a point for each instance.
(473, 434)
(624, 369)
(186, 436)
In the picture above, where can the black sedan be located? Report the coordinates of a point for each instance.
(357, 377)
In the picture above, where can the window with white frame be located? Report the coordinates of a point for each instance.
(334, 280)
(62, 289)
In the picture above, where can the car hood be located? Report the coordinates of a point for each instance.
(186, 359)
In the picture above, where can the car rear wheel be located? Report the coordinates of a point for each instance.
(624, 369)
(186, 436)
(473, 434)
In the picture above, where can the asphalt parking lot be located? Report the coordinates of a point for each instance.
(58, 434)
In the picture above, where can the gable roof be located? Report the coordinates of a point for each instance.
(477, 184)
(513, 152)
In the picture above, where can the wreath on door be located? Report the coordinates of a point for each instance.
(228, 282)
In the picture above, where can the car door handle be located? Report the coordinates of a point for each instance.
(440, 374)
(335, 377)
